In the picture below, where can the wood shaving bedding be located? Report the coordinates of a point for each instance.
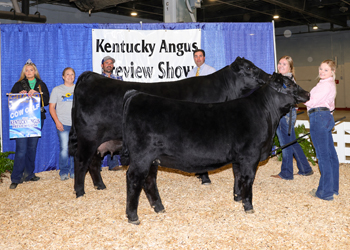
(46, 215)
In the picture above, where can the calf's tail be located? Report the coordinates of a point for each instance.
(73, 141)
(84, 77)
(124, 153)
(124, 156)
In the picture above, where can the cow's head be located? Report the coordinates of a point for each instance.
(288, 87)
(247, 76)
(247, 70)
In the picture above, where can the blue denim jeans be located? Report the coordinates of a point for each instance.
(24, 163)
(292, 150)
(321, 125)
(112, 162)
(66, 162)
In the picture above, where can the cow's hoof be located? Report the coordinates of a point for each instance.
(79, 194)
(160, 211)
(135, 222)
(251, 211)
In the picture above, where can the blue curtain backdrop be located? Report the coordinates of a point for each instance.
(52, 47)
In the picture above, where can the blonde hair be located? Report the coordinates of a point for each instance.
(291, 64)
(36, 72)
(64, 71)
(331, 64)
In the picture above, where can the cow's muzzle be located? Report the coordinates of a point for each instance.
(301, 95)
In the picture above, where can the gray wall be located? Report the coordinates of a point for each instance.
(308, 50)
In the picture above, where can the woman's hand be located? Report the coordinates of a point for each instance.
(59, 126)
(31, 92)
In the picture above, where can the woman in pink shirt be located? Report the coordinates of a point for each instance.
(320, 108)
(286, 68)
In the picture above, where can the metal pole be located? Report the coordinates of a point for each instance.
(274, 45)
(1, 138)
(25, 7)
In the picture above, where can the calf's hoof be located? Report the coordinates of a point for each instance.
(160, 211)
(159, 208)
(237, 198)
(251, 211)
(135, 222)
(100, 188)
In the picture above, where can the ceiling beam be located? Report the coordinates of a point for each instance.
(140, 10)
(298, 6)
(252, 11)
(13, 15)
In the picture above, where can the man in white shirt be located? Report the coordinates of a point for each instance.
(202, 69)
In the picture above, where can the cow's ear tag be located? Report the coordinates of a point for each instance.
(284, 86)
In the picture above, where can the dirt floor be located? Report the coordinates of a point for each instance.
(46, 214)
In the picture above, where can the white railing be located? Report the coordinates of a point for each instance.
(341, 137)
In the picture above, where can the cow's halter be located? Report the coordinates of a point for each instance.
(282, 90)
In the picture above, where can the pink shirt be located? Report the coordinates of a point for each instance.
(323, 95)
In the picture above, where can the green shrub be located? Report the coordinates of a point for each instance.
(304, 142)
(6, 164)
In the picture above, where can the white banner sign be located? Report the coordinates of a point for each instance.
(146, 55)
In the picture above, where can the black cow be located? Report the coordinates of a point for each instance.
(194, 137)
(97, 109)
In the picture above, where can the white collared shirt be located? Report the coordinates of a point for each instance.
(204, 70)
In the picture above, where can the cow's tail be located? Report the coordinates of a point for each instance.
(85, 77)
(73, 140)
(124, 153)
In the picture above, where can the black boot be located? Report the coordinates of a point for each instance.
(34, 178)
(204, 177)
(13, 185)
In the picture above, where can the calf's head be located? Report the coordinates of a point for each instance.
(288, 87)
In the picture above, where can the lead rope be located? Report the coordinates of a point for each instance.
(290, 120)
